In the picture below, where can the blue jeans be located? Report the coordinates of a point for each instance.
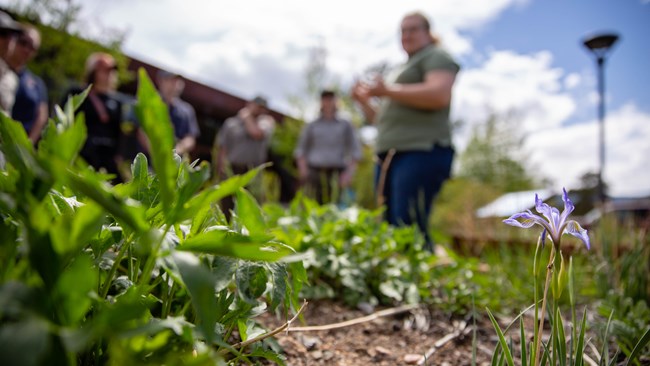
(412, 182)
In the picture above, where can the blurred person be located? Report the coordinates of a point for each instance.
(30, 106)
(103, 114)
(327, 152)
(414, 142)
(9, 31)
(243, 142)
(181, 113)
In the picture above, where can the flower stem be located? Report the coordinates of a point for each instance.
(540, 329)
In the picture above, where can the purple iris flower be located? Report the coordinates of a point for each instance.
(554, 223)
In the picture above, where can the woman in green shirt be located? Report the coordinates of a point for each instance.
(414, 142)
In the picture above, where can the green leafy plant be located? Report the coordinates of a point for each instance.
(354, 256)
(145, 272)
(623, 282)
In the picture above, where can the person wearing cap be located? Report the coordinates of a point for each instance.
(327, 152)
(30, 106)
(414, 143)
(181, 113)
(243, 141)
(9, 30)
(103, 115)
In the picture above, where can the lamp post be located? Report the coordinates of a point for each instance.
(600, 45)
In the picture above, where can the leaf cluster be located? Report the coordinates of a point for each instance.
(145, 272)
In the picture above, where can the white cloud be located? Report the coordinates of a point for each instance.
(508, 82)
(543, 98)
(199, 36)
(568, 152)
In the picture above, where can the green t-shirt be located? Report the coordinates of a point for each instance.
(406, 128)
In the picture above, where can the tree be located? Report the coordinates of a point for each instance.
(59, 14)
(495, 155)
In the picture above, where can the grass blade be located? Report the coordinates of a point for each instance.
(638, 348)
(581, 340)
(502, 340)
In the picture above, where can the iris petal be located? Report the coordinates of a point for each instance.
(525, 220)
(548, 212)
(568, 206)
(573, 228)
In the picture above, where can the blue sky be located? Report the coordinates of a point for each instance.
(560, 26)
(521, 59)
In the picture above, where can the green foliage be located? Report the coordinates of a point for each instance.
(629, 322)
(355, 256)
(145, 272)
(623, 280)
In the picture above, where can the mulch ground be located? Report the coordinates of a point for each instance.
(399, 339)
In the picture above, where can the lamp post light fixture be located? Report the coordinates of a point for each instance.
(600, 45)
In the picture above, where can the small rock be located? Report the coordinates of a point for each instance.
(383, 351)
(365, 307)
(310, 343)
(412, 359)
(316, 355)
(328, 355)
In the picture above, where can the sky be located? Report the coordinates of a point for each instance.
(520, 58)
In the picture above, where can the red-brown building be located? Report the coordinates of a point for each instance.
(212, 106)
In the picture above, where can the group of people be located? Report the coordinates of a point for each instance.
(24, 97)
(414, 144)
(410, 109)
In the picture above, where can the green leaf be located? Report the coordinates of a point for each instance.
(63, 142)
(25, 342)
(87, 223)
(581, 340)
(212, 195)
(19, 152)
(560, 338)
(140, 176)
(16, 145)
(124, 211)
(604, 351)
(128, 310)
(522, 337)
(153, 116)
(242, 327)
(502, 340)
(73, 103)
(268, 355)
(279, 281)
(62, 204)
(222, 241)
(638, 348)
(199, 282)
(251, 281)
(223, 269)
(250, 214)
(189, 182)
(71, 294)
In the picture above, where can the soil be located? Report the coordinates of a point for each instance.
(399, 339)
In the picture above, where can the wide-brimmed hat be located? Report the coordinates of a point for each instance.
(7, 23)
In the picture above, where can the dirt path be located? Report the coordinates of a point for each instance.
(399, 339)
